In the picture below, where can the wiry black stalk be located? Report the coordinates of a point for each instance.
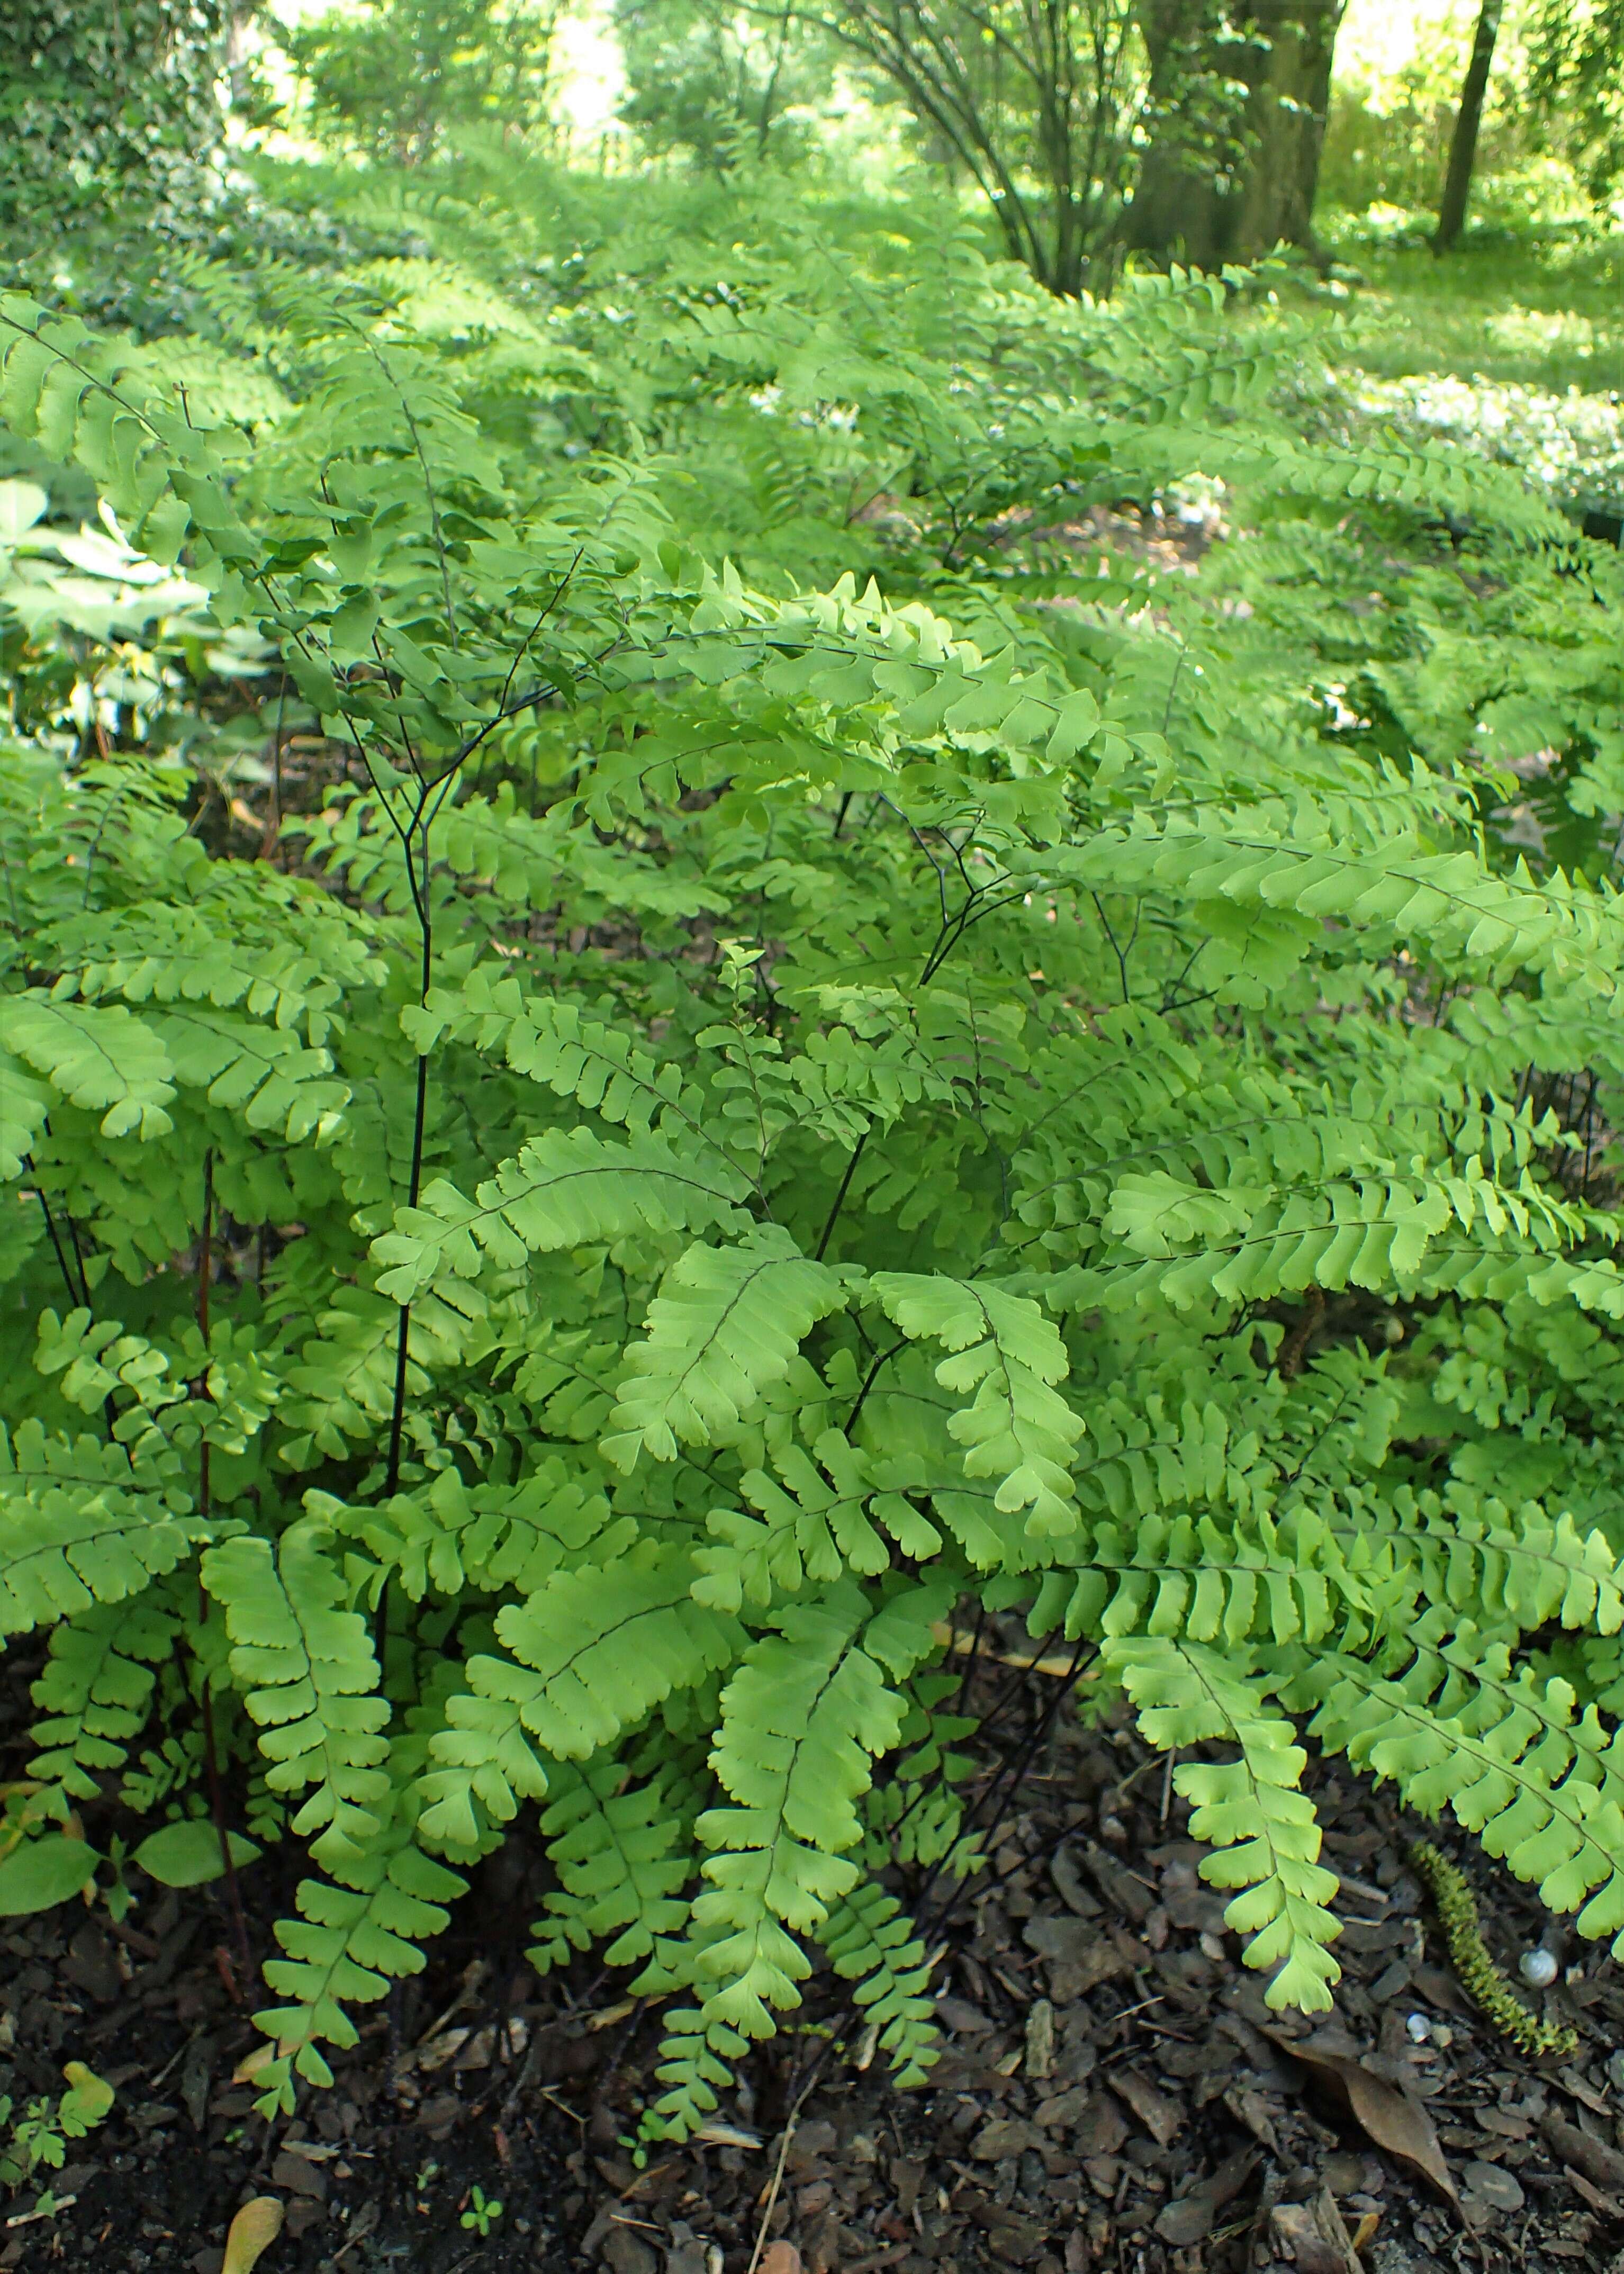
(419, 882)
(839, 1199)
(211, 1754)
(1005, 1784)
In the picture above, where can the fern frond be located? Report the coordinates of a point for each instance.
(1213, 1582)
(1252, 1811)
(310, 1683)
(550, 1041)
(25, 1107)
(802, 1721)
(1460, 1727)
(602, 1645)
(622, 1853)
(95, 1695)
(812, 1523)
(345, 1948)
(561, 1190)
(83, 1521)
(1017, 1428)
(452, 1536)
(594, 1650)
(871, 1941)
(726, 1323)
(100, 1058)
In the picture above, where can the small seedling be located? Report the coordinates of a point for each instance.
(482, 2213)
(39, 2137)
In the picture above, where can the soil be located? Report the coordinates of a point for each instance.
(1113, 2092)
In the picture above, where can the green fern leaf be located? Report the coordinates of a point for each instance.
(1017, 1428)
(726, 1323)
(1252, 1810)
(561, 1190)
(310, 1683)
(801, 1721)
(82, 1522)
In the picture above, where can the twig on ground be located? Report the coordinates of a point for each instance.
(777, 2177)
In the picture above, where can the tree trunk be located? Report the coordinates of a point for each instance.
(1232, 183)
(1463, 142)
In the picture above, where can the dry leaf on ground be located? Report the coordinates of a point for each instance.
(253, 2230)
(1391, 2117)
(1189, 2218)
(1314, 2233)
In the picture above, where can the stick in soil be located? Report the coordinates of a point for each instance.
(777, 2177)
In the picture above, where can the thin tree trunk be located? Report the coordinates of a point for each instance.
(1467, 119)
(769, 93)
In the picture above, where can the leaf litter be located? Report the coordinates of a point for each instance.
(1114, 2091)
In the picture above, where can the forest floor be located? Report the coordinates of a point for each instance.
(1545, 310)
(1114, 2093)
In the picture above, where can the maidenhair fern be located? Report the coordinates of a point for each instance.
(705, 1123)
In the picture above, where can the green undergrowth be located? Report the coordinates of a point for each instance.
(662, 1033)
(1525, 308)
(1512, 348)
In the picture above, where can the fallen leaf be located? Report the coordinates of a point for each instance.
(299, 2176)
(1119, 1886)
(1442, 1991)
(434, 2053)
(1509, 2123)
(1191, 2218)
(1161, 2117)
(717, 2134)
(1078, 1956)
(1040, 2038)
(1601, 2164)
(1597, 2198)
(1252, 2110)
(1004, 2137)
(1101, 2126)
(251, 2232)
(1317, 2238)
(1584, 2090)
(1069, 1885)
(963, 2019)
(1391, 2117)
(89, 2095)
(1500, 2190)
(780, 2258)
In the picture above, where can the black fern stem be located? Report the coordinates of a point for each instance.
(211, 1752)
(397, 1412)
(1003, 1788)
(74, 1296)
(419, 884)
(77, 1295)
(840, 1200)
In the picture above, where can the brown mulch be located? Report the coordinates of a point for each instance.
(1114, 2093)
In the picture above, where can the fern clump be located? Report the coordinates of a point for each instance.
(708, 1122)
